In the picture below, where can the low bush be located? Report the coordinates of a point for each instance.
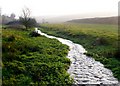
(34, 34)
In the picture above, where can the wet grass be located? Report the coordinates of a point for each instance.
(33, 61)
(100, 40)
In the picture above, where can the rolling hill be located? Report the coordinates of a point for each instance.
(97, 20)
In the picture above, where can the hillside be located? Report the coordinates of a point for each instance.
(101, 20)
(99, 40)
(33, 61)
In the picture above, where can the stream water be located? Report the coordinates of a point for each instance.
(84, 69)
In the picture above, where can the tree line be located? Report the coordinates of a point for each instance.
(25, 19)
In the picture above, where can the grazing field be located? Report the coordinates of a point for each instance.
(100, 40)
(33, 61)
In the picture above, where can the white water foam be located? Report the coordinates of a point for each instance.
(84, 69)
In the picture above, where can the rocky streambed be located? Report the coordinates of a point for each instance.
(84, 69)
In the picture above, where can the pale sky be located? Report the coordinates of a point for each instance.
(60, 7)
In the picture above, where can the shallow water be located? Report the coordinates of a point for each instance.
(84, 69)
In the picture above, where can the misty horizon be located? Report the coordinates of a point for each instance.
(64, 18)
(61, 10)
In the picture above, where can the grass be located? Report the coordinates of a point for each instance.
(0, 56)
(31, 61)
(100, 40)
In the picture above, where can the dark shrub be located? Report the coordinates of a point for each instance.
(100, 41)
(34, 34)
(11, 38)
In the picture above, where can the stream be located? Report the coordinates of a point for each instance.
(84, 69)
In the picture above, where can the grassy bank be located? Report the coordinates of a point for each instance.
(100, 40)
(33, 61)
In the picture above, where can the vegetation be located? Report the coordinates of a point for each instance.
(26, 20)
(4, 19)
(33, 61)
(101, 20)
(0, 56)
(101, 41)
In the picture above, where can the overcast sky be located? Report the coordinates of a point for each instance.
(60, 7)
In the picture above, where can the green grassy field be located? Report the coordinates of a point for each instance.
(100, 40)
(33, 61)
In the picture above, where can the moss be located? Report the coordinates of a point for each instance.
(33, 60)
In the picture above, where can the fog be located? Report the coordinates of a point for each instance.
(61, 10)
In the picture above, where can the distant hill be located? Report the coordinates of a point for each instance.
(101, 20)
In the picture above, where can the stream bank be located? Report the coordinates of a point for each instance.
(84, 69)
